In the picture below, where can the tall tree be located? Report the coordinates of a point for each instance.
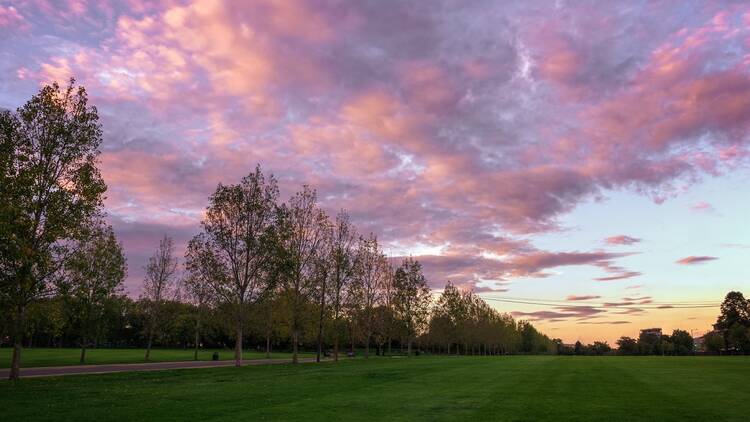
(342, 257)
(449, 315)
(734, 322)
(236, 246)
(735, 309)
(198, 292)
(412, 298)
(93, 275)
(159, 286)
(303, 228)
(323, 261)
(367, 287)
(50, 186)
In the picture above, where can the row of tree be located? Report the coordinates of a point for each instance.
(257, 263)
(680, 343)
(463, 323)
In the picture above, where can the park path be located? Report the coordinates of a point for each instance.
(54, 371)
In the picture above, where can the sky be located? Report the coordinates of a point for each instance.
(587, 158)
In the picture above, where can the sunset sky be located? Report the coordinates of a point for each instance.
(589, 158)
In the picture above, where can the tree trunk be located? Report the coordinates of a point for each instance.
(197, 337)
(408, 349)
(336, 345)
(83, 351)
(15, 366)
(238, 347)
(268, 344)
(150, 340)
(320, 324)
(389, 346)
(367, 345)
(295, 338)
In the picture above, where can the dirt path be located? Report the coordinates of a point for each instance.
(54, 371)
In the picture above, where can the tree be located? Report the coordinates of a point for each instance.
(343, 260)
(650, 343)
(734, 322)
(236, 249)
(600, 348)
(93, 274)
(303, 226)
(682, 342)
(578, 348)
(713, 342)
(198, 292)
(412, 298)
(367, 286)
(735, 309)
(323, 273)
(738, 338)
(159, 286)
(50, 186)
(627, 346)
(449, 313)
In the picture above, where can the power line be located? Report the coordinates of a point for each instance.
(635, 300)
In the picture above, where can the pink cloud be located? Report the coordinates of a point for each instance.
(621, 276)
(431, 125)
(621, 240)
(9, 17)
(702, 206)
(582, 297)
(692, 260)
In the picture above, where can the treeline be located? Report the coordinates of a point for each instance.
(123, 322)
(259, 272)
(463, 323)
(730, 335)
(679, 343)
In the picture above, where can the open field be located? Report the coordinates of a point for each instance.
(36, 357)
(516, 388)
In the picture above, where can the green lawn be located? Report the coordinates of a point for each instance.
(518, 388)
(62, 357)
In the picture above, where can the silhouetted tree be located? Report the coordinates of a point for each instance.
(159, 286)
(627, 346)
(343, 260)
(682, 342)
(412, 298)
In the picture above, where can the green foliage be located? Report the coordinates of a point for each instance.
(50, 187)
(735, 309)
(734, 323)
(93, 275)
(627, 346)
(412, 298)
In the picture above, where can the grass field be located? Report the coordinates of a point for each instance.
(63, 357)
(517, 388)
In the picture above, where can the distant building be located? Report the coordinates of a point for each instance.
(651, 332)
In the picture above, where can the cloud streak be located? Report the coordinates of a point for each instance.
(693, 260)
